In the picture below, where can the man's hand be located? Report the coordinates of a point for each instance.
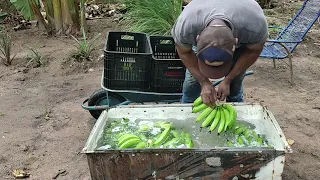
(223, 90)
(209, 94)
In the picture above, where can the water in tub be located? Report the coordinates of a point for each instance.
(202, 137)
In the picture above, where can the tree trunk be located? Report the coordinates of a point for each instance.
(49, 12)
(66, 16)
(42, 23)
(75, 15)
(83, 15)
(57, 16)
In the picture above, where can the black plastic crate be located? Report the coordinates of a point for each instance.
(168, 69)
(127, 61)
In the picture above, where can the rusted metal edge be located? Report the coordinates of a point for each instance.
(239, 150)
(288, 148)
(179, 105)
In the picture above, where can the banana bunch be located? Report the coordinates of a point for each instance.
(169, 137)
(221, 116)
(245, 136)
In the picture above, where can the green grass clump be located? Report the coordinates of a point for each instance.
(154, 17)
(5, 47)
(85, 48)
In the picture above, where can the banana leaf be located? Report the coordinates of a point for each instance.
(24, 8)
(3, 16)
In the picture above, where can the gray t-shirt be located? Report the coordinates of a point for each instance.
(245, 17)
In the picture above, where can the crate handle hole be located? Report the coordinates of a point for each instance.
(173, 74)
(127, 37)
(166, 42)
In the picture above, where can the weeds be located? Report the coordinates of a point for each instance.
(85, 47)
(5, 47)
(155, 17)
(36, 57)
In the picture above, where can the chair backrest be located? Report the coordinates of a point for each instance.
(302, 22)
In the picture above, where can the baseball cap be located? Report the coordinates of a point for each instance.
(215, 46)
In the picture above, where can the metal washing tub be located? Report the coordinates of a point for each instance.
(203, 162)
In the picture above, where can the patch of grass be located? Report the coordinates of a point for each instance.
(36, 57)
(155, 17)
(5, 47)
(85, 47)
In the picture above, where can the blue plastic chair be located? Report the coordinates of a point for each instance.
(293, 34)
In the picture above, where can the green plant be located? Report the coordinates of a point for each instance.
(36, 57)
(85, 47)
(25, 8)
(155, 17)
(5, 47)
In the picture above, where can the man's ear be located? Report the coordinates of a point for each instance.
(236, 41)
(197, 37)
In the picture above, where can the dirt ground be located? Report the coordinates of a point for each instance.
(43, 127)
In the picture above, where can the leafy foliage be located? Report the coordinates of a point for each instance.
(5, 46)
(24, 7)
(85, 47)
(155, 17)
(36, 57)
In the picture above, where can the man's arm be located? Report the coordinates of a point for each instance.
(246, 60)
(190, 60)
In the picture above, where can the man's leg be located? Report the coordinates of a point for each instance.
(236, 86)
(236, 89)
(191, 87)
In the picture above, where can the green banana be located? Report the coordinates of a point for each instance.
(247, 133)
(240, 130)
(254, 135)
(260, 141)
(130, 143)
(209, 118)
(215, 120)
(175, 133)
(232, 115)
(190, 144)
(163, 136)
(240, 140)
(204, 114)
(188, 140)
(227, 118)
(163, 124)
(143, 128)
(171, 142)
(126, 137)
(229, 143)
(141, 145)
(197, 102)
(199, 108)
(222, 121)
(249, 139)
(143, 137)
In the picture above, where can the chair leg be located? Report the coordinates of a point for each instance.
(274, 63)
(290, 62)
(291, 69)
